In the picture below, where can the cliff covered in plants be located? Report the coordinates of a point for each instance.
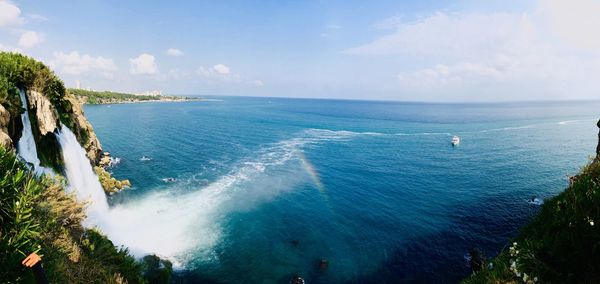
(560, 245)
(49, 105)
(36, 213)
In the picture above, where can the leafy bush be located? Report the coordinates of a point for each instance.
(37, 215)
(561, 244)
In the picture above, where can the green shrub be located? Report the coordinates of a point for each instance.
(37, 215)
(561, 244)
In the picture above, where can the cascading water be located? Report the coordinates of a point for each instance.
(26, 146)
(175, 225)
(82, 179)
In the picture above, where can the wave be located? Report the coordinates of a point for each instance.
(341, 134)
(424, 134)
(565, 122)
(535, 201)
(507, 128)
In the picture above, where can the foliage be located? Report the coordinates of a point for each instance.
(22, 72)
(18, 71)
(37, 215)
(157, 270)
(20, 232)
(561, 244)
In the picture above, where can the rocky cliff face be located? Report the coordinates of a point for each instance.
(84, 131)
(598, 147)
(5, 140)
(45, 113)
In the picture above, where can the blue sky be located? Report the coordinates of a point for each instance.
(393, 50)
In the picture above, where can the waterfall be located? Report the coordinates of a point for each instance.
(81, 177)
(26, 146)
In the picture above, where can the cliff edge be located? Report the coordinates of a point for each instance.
(562, 242)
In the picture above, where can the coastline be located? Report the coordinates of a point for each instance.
(147, 101)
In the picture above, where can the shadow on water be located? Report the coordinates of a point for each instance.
(437, 258)
(441, 257)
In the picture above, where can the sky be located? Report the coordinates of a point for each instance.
(446, 51)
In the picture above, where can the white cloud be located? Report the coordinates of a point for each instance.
(575, 22)
(10, 14)
(30, 39)
(174, 52)
(37, 17)
(555, 48)
(143, 64)
(221, 69)
(75, 64)
(221, 73)
(442, 35)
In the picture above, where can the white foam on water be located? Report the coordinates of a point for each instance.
(575, 121)
(423, 134)
(508, 128)
(184, 226)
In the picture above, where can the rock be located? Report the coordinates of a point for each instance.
(4, 119)
(323, 265)
(44, 111)
(598, 147)
(84, 131)
(5, 140)
(104, 161)
(109, 183)
(297, 280)
(477, 261)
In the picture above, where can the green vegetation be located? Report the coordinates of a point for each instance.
(109, 183)
(107, 97)
(22, 72)
(37, 215)
(561, 244)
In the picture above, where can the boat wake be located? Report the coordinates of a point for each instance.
(574, 121)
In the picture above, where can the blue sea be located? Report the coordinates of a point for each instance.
(268, 188)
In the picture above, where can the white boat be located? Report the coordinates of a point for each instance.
(455, 140)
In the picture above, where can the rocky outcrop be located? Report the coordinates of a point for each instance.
(5, 140)
(44, 111)
(598, 147)
(109, 183)
(84, 131)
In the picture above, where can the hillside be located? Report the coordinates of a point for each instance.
(561, 244)
(107, 97)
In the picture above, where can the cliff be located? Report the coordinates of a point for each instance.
(37, 215)
(49, 105)
(560, 245)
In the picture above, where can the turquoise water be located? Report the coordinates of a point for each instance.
(375, 188)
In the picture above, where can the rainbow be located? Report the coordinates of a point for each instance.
(312, 172)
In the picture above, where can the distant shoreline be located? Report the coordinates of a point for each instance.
(145, 101)
(107, 97)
